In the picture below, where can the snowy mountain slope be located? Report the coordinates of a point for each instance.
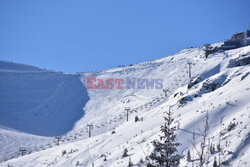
(220, 85)
(31, 100)
(37, 99)
(114, 101)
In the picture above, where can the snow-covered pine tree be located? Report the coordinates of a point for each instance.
(165, 151)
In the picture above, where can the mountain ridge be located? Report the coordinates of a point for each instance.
(105, 110)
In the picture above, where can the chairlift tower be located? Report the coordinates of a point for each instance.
(127, 109)
(90, 127)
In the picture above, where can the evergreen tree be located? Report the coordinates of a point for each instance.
(215, 162)
(188, 156)
(136, 118)
(165, 150)
(125, 153)
(130, 164)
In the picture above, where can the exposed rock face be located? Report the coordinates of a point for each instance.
(194, 82)
(240, 61)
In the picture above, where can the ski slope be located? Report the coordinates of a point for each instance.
(219, 86)
(34, 103)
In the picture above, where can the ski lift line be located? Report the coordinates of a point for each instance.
(100, 124)
(156, 100)
(139, 108)
(88, 148)
(115, 117)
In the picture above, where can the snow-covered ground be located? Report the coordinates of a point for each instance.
(220, 85)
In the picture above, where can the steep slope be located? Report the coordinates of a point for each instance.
(37, 102)
(220, 86)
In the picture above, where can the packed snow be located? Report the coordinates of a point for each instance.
(37, 105)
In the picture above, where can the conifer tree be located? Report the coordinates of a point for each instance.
(188, 156)
(125, 152)
(165, 151)
(215, 162)
(130, 164)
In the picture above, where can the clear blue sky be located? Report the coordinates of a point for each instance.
(93, 35)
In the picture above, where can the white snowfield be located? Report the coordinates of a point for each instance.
(36, 105)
